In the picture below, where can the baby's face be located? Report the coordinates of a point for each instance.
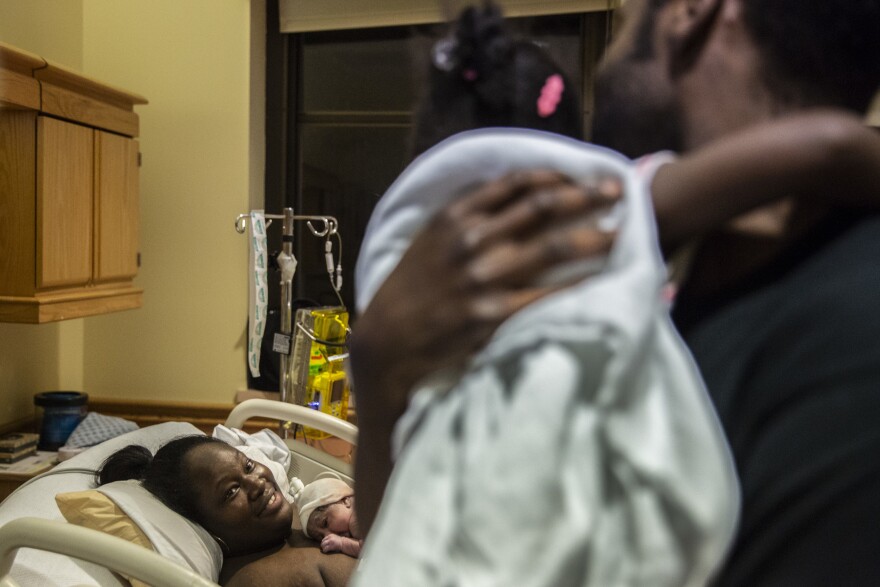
(335, 518)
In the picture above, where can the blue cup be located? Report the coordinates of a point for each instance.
(62, 412)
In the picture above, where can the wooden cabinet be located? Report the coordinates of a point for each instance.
(64, 172)
(68, 193)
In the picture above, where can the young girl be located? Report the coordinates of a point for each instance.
(481, 76)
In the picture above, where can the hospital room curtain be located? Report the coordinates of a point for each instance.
(298, 16)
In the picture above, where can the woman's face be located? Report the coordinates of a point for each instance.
(237, 499)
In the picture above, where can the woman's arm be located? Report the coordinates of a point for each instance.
(820, 155)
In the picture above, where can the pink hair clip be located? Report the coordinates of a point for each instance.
(551, 93)
(470, 74)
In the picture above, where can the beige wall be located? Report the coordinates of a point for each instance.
(191, 60)
(47, 357)
(28, 364)
(50, 28)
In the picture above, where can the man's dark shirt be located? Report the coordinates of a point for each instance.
(791, 359)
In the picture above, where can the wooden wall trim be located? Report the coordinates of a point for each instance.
(21, 425)
(204, 416)
(146, 413)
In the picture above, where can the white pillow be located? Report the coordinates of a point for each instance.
(36, 568)
(173, 536)
(126, 510)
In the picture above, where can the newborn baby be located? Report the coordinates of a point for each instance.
(326, 512)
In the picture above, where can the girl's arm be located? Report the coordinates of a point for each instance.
(823, 155)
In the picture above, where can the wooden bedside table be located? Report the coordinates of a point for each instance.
(12, 475)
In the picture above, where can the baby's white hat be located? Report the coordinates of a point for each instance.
(319, 493)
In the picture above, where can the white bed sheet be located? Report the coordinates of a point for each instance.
(36, 499)
(35, 568)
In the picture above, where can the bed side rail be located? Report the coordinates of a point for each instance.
(92, 546)
(289, 412)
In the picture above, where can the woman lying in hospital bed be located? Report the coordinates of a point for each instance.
(235, 498)
(178, 551)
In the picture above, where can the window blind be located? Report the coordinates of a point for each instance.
(299, 16)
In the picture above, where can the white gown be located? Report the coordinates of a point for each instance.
(580, 446)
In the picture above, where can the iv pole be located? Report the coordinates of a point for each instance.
(286, 303)
(329, 228)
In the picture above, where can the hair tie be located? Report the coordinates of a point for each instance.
(443, 54)
(551, 93)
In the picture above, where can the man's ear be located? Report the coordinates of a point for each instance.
(691, 27)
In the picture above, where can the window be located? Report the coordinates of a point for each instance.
(339, 113)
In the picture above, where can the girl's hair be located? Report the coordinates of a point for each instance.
(480, 77)
(162, 474)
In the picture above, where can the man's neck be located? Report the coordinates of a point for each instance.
(727, 107)
(724, 90)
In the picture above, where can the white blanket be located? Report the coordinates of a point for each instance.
(579, 447)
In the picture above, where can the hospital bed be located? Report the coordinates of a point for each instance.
(39, 547)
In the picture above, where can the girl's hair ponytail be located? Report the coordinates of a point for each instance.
(481, 76)
(484, 55)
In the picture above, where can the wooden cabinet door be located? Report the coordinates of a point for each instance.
(116, 207)
(18, 151)
(64, 203)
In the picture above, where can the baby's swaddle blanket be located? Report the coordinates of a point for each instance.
(579, 447)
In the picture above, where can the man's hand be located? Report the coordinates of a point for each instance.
(472, 267)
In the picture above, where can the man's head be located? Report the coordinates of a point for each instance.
(681, 72)
(822, 52)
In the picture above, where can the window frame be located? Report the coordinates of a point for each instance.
(283, 178)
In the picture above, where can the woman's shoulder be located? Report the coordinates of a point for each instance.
(299, 563)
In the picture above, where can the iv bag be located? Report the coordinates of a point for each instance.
(318, 363)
